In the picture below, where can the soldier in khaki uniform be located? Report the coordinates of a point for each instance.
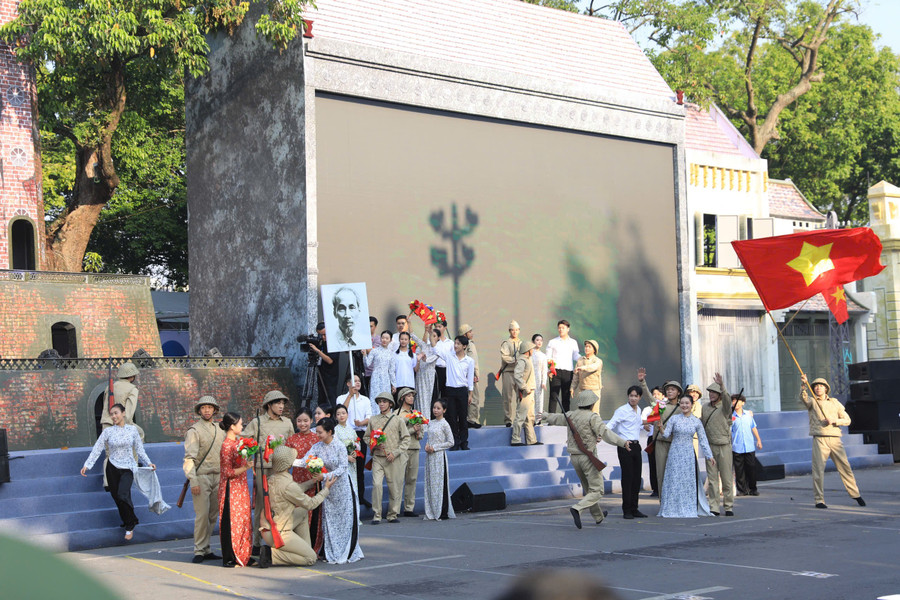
(477, 402)
(826, 417)
(716, 419)
(508, 354)
(387, 458)
(524, 380)
(672, 390)
(290, 510)
(407, 398)
(588, 374)
(260, 427)
(590, 428)
(202, 447)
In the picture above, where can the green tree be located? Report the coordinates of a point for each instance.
(100, 63)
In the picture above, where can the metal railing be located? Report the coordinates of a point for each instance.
(161, 362)
(61, 277)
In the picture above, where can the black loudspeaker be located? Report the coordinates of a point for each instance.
(888, 442)
(874, 416)
(874, 369)
(769, 467)
(479, 496)
(876, 390)
(4, 457)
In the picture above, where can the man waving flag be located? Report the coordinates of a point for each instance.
(789, 268)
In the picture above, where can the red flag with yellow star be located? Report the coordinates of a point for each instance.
(837, 303)
(786, 269)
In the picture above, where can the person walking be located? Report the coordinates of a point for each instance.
(407, 400)
(202, 446)
(660, 441)
(743, 450)
(682, 494)
(626, 423)
(826, 417)
(387, 456)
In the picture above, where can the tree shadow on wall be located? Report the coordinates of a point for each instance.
(590, 304)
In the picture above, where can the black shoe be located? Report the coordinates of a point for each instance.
(821, 505)
(464, 447)
(454, 449)
(627, 516)
(474, 425)
(516, 444)
(198, 558)
(508, 425)
(576, 516)
(754, 493)
(409, 513)
(600, 522)
(254, 551)
(638, 515)
(654, 494)
(729, 513)
(739, 493)
(860, 501)
(537, 444)
(265, 557)
(229, 565)
(714, 512)
(394, 520)
(211, 556)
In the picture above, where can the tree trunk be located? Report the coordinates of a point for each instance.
(67, 237)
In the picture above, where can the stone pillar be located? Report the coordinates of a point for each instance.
(884, 216)
(247, 209)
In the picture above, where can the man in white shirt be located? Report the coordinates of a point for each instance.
(402, 325)
(563, 351)
(656, 397)
(440, 365)
(626, 423)
(359, 411)
(460, 382)
(376, 342)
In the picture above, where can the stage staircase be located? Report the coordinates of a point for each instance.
(48, 501)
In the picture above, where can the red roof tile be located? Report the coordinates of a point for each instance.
(507, 35)
(785, 200)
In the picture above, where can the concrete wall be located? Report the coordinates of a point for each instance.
(246, 176)
(52, 408)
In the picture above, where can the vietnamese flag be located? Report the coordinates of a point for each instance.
(654, 414)
(789, 268)
(837, 303)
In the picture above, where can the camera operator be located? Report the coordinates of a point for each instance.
(328, 369)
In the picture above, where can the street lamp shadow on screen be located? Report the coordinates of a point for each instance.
(345, 307)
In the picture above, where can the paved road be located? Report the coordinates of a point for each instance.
(777, 546)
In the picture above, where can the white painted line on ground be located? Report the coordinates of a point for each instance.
(398, 564)
(606, 525)
(456, 541)
(870, 527)
(729, 520)
(688, 594)
(471, 570)
(721, 564)
(125, 554)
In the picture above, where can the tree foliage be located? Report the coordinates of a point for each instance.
(106, 71)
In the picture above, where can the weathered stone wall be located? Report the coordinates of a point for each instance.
(112, 315)
(51, 408)
(246, 173)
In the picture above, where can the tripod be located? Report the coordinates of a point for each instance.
(310, 391)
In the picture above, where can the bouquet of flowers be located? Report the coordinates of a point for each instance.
(413, 345)
(551, 368)
(416, 418)
(353, 448)
(378, 437)
(315, 465)
(247, 447)
(272, 442)
(441, 316)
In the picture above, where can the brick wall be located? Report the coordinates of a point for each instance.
(52, 409)
(20, 185)
(109, 319)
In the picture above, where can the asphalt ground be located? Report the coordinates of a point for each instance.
(778, 545)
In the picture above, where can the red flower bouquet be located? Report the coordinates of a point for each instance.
(416, 418)
(247, 447)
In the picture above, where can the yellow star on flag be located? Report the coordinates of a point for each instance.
(812, 261)
(838, 295)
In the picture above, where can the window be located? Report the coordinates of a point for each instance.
(714, 236)
(760, 228)
(21, 234)
(64, 339)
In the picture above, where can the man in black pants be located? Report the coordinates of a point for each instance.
(626, 423)
(460, 381)
(563, 351)
(440, 368)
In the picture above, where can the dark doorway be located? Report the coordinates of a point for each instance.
(99, 407)
(64, 339)
(22, 245)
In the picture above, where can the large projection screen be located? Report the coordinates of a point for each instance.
(569, 225)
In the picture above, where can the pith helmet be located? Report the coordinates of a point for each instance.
(823, 382)
(128, 370)
(525, 347)
(713, 387)
(206, 400)
(464, 329)
(282, 458)
(403, 392)
(594, 344)
(674, 384)
(586, 399)
(513, 325)
(694, 388)
(385, 396)
(273, 396)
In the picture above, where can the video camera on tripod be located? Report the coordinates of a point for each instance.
(311, 339)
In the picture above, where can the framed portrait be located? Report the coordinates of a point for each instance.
(345, 309)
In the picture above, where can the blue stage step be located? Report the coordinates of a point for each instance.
(49, 501)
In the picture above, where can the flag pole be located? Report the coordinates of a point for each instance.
(786, 345)
(797, 312)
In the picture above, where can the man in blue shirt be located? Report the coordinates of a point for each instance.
(743, 430)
